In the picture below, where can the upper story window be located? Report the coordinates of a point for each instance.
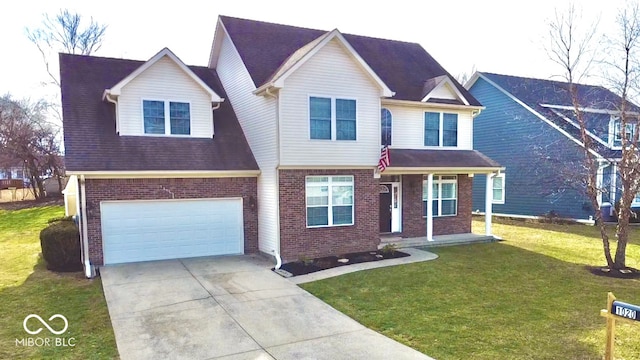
(385, 122)
(440, 129)
(617, 133)
(332, 119)
(166, 117)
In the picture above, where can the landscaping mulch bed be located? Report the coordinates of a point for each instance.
(628, 273)
(304, 266)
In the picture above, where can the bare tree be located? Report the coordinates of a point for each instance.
(464, 76)
(574, 51)
(25, 135)
(65, 32)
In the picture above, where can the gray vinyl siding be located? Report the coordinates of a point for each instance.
(540, 161)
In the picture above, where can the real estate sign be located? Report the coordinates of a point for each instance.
(625, 310)
(617, 310)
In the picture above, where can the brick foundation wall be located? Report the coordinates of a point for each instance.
(296, 240)
(413, 222)
(183, 188)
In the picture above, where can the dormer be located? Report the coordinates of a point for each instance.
(163, 97)
(441, 89)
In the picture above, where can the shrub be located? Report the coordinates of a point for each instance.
(60, 218)
(60, 242)
(389, 249)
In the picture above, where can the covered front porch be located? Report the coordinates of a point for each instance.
(425, 196)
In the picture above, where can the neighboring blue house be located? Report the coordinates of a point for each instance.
(530, 128)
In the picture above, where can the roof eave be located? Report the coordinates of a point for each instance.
(416, 103)
(133, 174)
(391, 170)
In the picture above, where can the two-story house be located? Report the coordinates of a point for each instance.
(273, 147)
(530, 127)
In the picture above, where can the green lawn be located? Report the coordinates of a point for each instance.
(528, 297)
(27, 287)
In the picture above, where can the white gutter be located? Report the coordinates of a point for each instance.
(89, 271)
(164, 174)
(387, 101)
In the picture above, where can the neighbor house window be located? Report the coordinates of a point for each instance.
(329, 200)
(617, 133)
(498, 189)
(332, 119)
(385, 125)
(445, 195)
(166, 117)
(440, 129)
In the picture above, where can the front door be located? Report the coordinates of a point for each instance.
(385, 208)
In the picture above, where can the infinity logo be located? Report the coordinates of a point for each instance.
(24, 324)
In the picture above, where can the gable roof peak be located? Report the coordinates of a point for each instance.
(436, 83)
(116, 90)
(304, 53)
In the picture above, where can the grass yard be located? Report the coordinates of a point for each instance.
(27, 287)
(528, 297)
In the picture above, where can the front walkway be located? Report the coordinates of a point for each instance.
(438, 240)
(230, 308)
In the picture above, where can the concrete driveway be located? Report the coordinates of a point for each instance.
(230, 308)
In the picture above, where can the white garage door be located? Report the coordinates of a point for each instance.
(170, 229)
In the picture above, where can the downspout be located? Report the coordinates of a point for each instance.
(86, 263)
(109, 99)
(276, 252)
(213, 125)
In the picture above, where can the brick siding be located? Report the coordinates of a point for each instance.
(183, 188)
(413, 222)
(296, 240)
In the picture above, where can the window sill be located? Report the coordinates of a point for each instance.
(441, 216)
(327, 226)
(169, 136)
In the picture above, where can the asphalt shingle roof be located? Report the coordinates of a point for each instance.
(440, 159)
(538, 92)
(403, 66)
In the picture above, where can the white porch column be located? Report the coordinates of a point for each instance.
(430, 207)
(488, 203)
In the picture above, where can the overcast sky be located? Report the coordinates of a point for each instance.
(496, 36)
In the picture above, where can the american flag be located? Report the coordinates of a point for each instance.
(385, 159)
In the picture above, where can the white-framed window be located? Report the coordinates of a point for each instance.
(445, 195)
(332, 118)
(329, 200)
(440, 129)
(386, 125)
(615, 132)
(166, 117)
(498, 189)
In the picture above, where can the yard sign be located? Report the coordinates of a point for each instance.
(617, 310)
